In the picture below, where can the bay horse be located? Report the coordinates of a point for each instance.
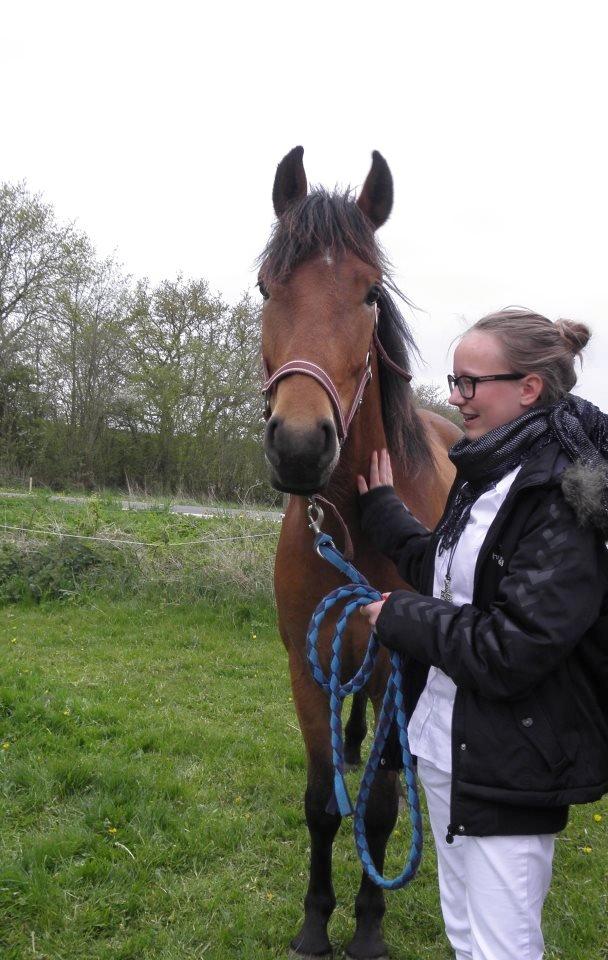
(325, 284)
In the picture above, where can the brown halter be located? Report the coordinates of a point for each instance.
(310, 369)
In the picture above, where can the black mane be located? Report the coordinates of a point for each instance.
(324, 221)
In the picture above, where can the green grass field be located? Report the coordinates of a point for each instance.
(151, 782)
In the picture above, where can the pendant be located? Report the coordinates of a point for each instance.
(446, 593)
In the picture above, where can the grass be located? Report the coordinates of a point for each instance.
(152, 771)
(151, 784)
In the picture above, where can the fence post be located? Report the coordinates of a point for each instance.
(30, 484)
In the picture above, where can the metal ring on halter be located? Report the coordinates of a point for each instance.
(314, 522)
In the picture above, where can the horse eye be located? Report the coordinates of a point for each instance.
(373, 294)
(263, 290)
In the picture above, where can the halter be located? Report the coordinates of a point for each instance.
(310, 369)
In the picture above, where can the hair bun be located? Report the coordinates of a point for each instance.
(575, 334)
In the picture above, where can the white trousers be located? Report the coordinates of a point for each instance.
(492, 888)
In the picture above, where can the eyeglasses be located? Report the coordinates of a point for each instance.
(466, 385)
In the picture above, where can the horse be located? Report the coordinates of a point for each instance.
(334, 340)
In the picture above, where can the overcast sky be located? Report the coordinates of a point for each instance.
(157, 127)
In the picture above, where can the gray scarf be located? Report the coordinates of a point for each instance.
(580, 428)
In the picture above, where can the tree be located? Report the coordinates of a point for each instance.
(21, 417)
(32, 253)
(429, 396)
(86, 356)
(195, 363)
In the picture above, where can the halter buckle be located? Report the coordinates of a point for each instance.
(315, 515)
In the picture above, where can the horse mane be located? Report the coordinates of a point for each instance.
(323, 221)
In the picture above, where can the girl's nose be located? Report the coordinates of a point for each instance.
(455, 398)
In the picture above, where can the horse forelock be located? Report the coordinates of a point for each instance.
(320, 223)
(330, 225)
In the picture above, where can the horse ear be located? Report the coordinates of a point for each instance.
(376, 198)
(290, 181)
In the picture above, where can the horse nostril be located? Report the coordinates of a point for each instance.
(329, 435)
(271, 429)
(272, 438)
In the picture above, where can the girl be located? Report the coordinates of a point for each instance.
(506, 641)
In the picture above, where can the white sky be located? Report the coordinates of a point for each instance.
(158, 128)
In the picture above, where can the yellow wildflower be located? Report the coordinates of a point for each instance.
(597, 817)
(5, 746)
(587, 849)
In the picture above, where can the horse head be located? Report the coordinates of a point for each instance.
(320, 277)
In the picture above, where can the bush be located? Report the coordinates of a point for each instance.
(62, 569)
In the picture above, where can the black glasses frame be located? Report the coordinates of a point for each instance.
(458, 382)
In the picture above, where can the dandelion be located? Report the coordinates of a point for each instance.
(112, 830)
(254, 636)
(66, 712)
(597, 817)
(587, 849)
(5, 745)
(14, 640)
(269, 895)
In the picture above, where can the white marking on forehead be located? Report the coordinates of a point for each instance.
(328, 258)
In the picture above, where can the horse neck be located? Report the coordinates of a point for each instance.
(424, 490)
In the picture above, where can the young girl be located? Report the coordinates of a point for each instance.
(506, 641)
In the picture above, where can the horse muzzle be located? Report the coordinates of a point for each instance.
(301, 461)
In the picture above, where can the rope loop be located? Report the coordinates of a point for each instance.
(359, 593)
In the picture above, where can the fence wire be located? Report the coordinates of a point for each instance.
(138, 543)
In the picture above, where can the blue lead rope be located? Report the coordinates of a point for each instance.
(359, 593)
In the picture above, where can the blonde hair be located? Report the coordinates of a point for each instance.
(533, 344)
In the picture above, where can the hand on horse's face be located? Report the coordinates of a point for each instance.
(380, 472)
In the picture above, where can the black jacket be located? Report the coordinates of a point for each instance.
(529, 656)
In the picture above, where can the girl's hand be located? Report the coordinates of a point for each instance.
(372, 610)
(380, 473)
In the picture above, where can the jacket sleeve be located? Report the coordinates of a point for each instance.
(395, 532)
(548, 598)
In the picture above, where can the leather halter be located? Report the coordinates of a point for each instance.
(310, 369)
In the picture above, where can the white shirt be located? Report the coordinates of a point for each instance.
(430, 726)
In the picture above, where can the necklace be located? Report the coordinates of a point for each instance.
(446, 590)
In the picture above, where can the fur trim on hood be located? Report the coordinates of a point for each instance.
(584, 488)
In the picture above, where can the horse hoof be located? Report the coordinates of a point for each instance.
(384, 956)
(367, 950)
(293, 955)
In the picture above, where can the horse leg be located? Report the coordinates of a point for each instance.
(312, 939)
(320, 900)
(355, 730)
(381, 815)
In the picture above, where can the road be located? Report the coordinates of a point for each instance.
(187, 509)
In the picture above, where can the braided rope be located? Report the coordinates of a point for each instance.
(362, 593)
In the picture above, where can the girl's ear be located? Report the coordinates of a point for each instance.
(531, 387)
